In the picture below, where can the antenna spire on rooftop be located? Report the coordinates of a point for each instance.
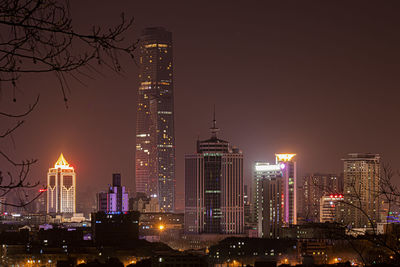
(214, 128)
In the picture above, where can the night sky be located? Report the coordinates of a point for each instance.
(316, 78)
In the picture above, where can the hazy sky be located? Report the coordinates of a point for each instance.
(316, 78)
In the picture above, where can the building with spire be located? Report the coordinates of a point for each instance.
(214, 188)
(155, 136)
(61, 188)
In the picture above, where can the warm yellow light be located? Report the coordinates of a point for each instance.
(62, 163)
(284, 157)
(81, 261)
(161, 227)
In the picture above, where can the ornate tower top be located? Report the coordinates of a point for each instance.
(62, 163)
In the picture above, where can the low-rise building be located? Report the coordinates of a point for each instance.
(111, 229)
(116, 199)
(329, 208)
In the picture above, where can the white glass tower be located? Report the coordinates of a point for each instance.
(275, 195)
(61, 188)
(268, 197)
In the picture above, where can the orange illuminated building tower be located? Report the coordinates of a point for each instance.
(61, 188)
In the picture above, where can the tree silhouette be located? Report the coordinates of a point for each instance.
(37, 37)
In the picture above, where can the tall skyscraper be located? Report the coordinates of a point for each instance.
(316, 186)
(116, 200)
(155, 137)
(61, 188)
(275, 195)
(360, 207)
(214, 188)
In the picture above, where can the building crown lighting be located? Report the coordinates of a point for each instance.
(62, 163)
(262, 167)
(284, 157)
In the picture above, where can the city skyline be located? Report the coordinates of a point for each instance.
(302, 168)
(320, 99)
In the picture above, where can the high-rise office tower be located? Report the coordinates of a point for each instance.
(214, 188)
(360, 207)
(316, 186)
(116, 200)
(61, 188)
(268, 200)
(155, 138)
(275, 195)
(289, 175)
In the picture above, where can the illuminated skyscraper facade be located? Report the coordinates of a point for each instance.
(289, 183)
(275, 195)
(214, 188)
(267, 184)
(360, 207)
(61, 188)
(155, 138)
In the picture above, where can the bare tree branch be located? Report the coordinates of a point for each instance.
(37, 37)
